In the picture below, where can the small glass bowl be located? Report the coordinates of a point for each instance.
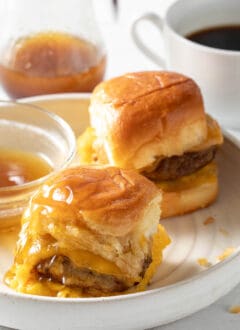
(28, 128)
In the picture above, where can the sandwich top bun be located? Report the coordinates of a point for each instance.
(89, 231)
(139, 117)
(107, 200)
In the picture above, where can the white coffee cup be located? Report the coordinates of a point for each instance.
(217, 71)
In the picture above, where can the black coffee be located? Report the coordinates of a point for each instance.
(223, 37)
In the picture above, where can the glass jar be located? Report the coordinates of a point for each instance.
(49, 47)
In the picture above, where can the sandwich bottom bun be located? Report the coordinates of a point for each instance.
(190, 192)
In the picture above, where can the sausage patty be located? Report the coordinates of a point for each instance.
(62, 270)
(175, 167)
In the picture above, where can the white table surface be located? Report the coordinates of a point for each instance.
(123, 56)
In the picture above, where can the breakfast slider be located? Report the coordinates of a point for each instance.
(154, 122)
(89, 231)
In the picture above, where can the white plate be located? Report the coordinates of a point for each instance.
(180, 287)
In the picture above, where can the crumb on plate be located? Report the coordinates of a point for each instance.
(226, 253)
(224, 231)
(235, 309)
(204, 262)
(209, 220)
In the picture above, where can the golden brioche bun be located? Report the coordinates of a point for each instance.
(189, 193)
(140, 116)
(110, 201)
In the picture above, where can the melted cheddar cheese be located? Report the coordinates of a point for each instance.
(22, 277)
(206, 174)
(160, 241)
(85, 146)
(92, 261)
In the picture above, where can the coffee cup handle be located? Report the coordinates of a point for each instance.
(158, 23)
